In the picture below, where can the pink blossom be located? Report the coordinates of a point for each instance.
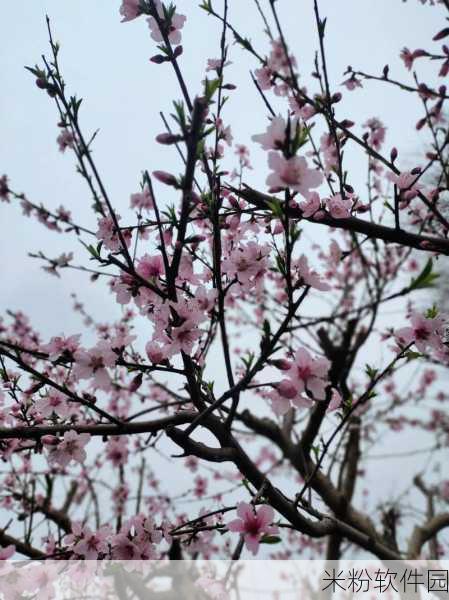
(292, 173)
(287, 389)
(311, 205)
(200, 488)
(309, 374)
(242, 152)
(377, 131)
(184, 337)
(352, 83)
(263, 76)
(336, 401)
(124, 549)
(247, 263)
(151, 267)
(61, 345)
(91, 545)
(7, 552)
(338, 207)
(130, 9)
(409, 57)
(213, 588)
(93, 364)
(214, 64)
(405, 181)
(146, 530)
(173, 27)
(107, 233)
(71, 447)
(280, 398)
(142, 200)
(299, 109)
(309, 276)
(205, 299)
(54, 402)
(329, 152)
(155, 353)
(253, 524)
(122, 336)
(117, 450)
(424, 332)
(275, 136)
(65, 140)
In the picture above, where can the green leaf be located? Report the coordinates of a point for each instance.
(280, 265)
(211, 86)
(425, 279)
(371, 371)
(207, 6)
(248, 360)
(270, 539)
(91, 249)
(266, 328)
(413, 355)
(244, 42)
(37, 72)
(431, 313)
(276, 207)
(180, 116)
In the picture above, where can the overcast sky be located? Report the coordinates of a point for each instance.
(107, 63)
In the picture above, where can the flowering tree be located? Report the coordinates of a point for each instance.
(273, 427)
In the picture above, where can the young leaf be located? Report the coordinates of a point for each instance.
(425, 279)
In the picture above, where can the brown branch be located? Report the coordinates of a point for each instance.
(372, 230)
(426, 532)
(100, 429)
(21, 547)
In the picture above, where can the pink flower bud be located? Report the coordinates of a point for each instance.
(195, 239)
(168, 138)
(441, 34)
(336, 98)
(281, 363)
(286, 389)
(178, 51)
(158, 59)
(154, 353)
(166, 178)
(136, 383)
(49, 440)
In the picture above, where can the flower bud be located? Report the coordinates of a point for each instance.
(166, 178)
(154, 353)
(336, 98)
(281, 363)
(178, 51)
(168, 138)
(286, 389)
(158, 59)
(136, 383)
(441, 34)
(49, 440)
